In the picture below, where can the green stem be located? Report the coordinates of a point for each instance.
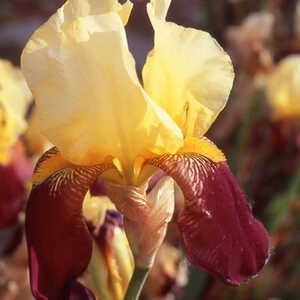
(280, 204)
(136, 283)
(253, 113)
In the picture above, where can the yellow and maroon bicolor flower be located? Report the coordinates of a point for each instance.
(15, 169)
(103, 122)
(283, 89)
(14, 100)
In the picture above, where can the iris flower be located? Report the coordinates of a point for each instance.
(15, 169)
(283, 89)
(14, 100)
(104, 122)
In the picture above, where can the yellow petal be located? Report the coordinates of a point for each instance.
(88, 96)
(283, 88)
(82, 8)
(14, 100)
(125, 11)
(37, 144)
(187, 73)
(94, 208)
(161, 8)
(111, 266)
(203, 147)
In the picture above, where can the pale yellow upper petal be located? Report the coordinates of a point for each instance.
(81, 8)
(160, 8)
(36, 143)
(283, 88)
(14, 100)
(187, 73)
(88, 97)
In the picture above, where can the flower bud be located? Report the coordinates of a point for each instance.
(111, 265)
(146, 216)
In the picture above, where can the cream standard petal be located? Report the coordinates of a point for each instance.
(161, 8)
(14, 101)
(283, 88)
(14, 93)
(88, 96)
(81, 8)
(187, 73)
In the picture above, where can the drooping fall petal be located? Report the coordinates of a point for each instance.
(219, 232)
(13, 177)
(84, 67)
(187, 73)
(59, 245)
(76, 291)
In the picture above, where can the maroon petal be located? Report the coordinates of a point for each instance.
(98, 188)
(13, 176)
(77, 291)
(219, 232)
(59, 245)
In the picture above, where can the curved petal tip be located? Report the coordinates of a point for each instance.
(220, 234)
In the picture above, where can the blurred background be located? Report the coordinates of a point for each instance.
(260, 138)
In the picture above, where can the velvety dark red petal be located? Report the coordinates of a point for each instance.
(13, 176)
(59, 245)
(219, 232)
(76, 291)
(98, 188)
